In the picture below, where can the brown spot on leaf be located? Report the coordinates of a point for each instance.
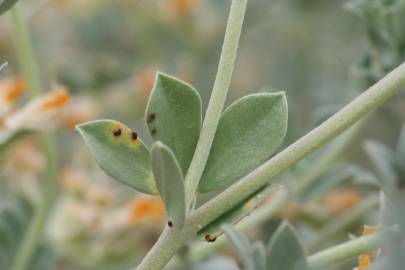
(151, 117)
(153, 131)
(170, 223)
(134, 135)
(210, 238)
(117, 132)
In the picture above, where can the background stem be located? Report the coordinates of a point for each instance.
(33, 81)
(349, 249)
(218, 96)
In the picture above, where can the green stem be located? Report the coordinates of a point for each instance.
(349, 249)
(170, 241)
(264, 213)
(32, 77)
(218, 96)
(371, 99)
(25, 53)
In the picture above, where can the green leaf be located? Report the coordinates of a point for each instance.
(242, 246)
(232, 216)
(285, 250)
(248, 133)
(259, 256)
(170, 182)
(120, 153)
(173, 116)
(383, 159)
(15, 215)
(400, 153)
(5, 5)
(387, 168)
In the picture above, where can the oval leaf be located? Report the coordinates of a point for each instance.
(170, 182)
(285, 250)
(259, 256)
(120, 153)
(173, 116)
(248, 133)
(5, 5)
(242, 246)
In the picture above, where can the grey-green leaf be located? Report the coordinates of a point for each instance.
(242, 246)
(259, 256)
(120, 153)
(400, 153)
(170, 182)
(385, 164)
(248, 133)
(5, 5)
(285, 250)
(173, 116)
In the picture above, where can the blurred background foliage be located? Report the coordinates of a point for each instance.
(106, 53)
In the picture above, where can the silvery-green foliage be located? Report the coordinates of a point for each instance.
(120, 153)
(386, 163)
(215, 263)
(284, 250)
(15, 216)
(5, 5)
(248, 133)
(170, 182)
(173, 116)
(383, 21)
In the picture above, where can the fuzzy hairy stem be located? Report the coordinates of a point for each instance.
(218, 96)
(348, 249)
(368, 101)
(31, 74)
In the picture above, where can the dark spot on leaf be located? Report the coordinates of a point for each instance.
(210, 238)
(170, 223)
(117, 132)
(151, 117)
(134, 135)
(153, 131)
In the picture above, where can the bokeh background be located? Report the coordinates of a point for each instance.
(106, 54)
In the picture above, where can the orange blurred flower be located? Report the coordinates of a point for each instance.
(78, 111)
(10, 90)
(145, 78)
(339, 201)
(39, 113)
(182, 7)
(145, 209)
